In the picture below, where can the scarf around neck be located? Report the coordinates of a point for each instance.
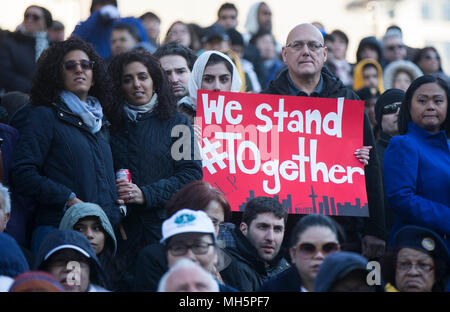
(90, 112)
(132, 110)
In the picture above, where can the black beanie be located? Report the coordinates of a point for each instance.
(388, 97)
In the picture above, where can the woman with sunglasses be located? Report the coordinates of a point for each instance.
(63, 156)
(154, 142)
(417, 261)
(20, 50)
(313, 238)
(429, 62)
(417, 162)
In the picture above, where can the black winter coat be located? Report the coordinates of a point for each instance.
(247, 271)
(287, 281)
(355, 227)
(56, 155)
(17, 62)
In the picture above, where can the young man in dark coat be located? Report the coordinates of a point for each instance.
(305, 55)
(256, 256)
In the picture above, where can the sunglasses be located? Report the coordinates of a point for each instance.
(35, 17)
(84, 64)
(308, 250)
(394, 47)
(391, 108)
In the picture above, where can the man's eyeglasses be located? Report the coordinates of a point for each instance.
(35, 17)
(395, 47)
(313, 46)
(391, 108)
(308, 250)
(84, 64)
(422, 267)
(177, 250)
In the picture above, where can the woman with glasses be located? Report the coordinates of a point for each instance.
(63, 156)
(429, 62)
(418, 261)
(417, 162)
(313, 238)
(191, 234)
(20, 50)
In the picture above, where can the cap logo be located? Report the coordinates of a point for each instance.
(184, 218)
(428, 244)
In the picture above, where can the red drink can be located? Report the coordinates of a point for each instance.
(123, 174)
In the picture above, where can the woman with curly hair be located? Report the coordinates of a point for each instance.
(154, 142)
(63, 156)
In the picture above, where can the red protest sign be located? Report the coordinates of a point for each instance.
(296, 149)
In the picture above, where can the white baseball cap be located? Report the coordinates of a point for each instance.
(187, 221)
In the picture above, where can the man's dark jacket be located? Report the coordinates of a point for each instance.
(247, 271)
(57, 155)
(354, 227)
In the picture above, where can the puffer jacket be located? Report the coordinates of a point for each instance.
(57, 155)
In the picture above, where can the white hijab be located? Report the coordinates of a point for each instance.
(195, 80)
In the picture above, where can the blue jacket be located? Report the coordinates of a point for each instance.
(57, 155)
(12, 260)
(417, 180)
(97, 31)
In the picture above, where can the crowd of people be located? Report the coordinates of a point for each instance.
(75, 111)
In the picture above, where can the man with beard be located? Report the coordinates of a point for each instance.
(256, 255)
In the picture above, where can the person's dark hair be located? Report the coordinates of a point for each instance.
(261, 33)
(340, 34)
(422, 52)
(404, 116)
(174, 48)
(130, 28)
(166, 106)
(217, 59)
(47, 15)
(315, 220)
(48, 81)
(263, 204)
(226, 6)
(150, 15)
(105, 2)
(388, 268)
(196, 196)
(328, 37)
